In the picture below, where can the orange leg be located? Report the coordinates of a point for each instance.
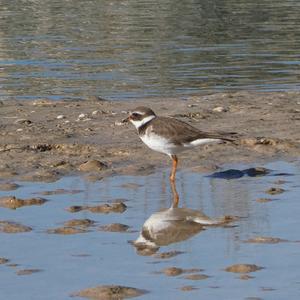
(175, 195)
(174, 167)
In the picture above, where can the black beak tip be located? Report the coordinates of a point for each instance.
(126, 120)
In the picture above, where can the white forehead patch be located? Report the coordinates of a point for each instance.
(139, 123)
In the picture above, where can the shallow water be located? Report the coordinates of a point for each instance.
(70, 263)
(130, 49)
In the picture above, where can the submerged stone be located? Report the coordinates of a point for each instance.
(112, 292)
(13, 227)
(243, 268)
(92, 166)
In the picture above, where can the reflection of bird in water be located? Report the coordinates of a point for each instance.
(173, 225)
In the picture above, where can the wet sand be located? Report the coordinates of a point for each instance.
(45, 140)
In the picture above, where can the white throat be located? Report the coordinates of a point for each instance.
(140, 123)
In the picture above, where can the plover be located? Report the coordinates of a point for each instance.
(169, 135)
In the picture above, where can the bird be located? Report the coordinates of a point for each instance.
(169, 135)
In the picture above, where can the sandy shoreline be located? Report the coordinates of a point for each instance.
(43, 140)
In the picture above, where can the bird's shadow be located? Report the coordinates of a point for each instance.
(250, 172)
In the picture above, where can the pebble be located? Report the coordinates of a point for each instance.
(265, 240)
(28, 271)
(79, 222)
(12, 227)
(167, 255)
(114, 227)
(263, 200)
(196, 276)
(92, 166)
(59, 117)
(42, 102)
(187, 288)
(274, 191)
(173, 271)
(3, 260)
(219, 109)
(12, 202)
(66, 230)
(243, 268)
(245, 277)
(6, 186)
(82, 116)
(117, 207)
(96, 112)
(23, 121)
(120, 123)
(109, 292)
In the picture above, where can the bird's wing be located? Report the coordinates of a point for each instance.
(181, 132)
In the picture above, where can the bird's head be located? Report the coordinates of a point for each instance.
(140, 116)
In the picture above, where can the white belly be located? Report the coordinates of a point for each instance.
(160, 144)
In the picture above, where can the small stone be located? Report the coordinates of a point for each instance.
(172, 271)
(219, 109)
(61, 191)
(196, 276)
(66, 230)
(245, 277)
(3, 260)
(109, 292)
(28, 271)
(76, 208)
(265, 240)
(243, 268)
(19, 130)
(120, 123)
(82, 116)
(118, 207)
(12, 227)
(263, 200)
(42, 102)
(13, 202)
(6, 186)
(23, 121)
(12, 265)
(114, 227)
(166, 255)
(95, 112)
(131, 185)
(59, 117)
(92, 166)
(79, 222)
(187, 288)
(274, 191)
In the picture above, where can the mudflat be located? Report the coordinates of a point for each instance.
(45, 140)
